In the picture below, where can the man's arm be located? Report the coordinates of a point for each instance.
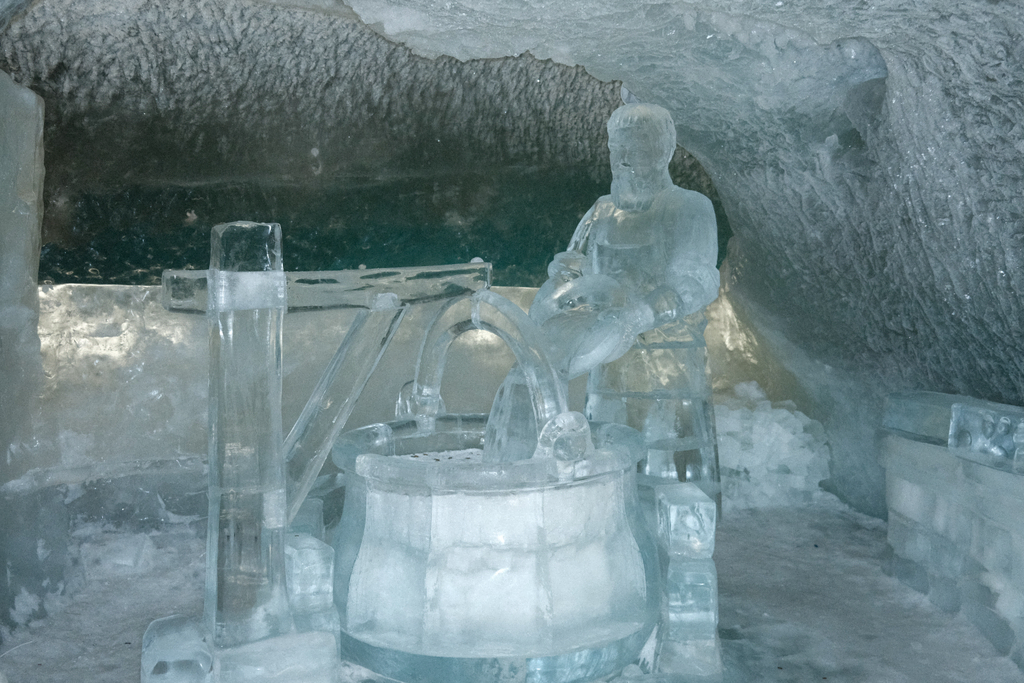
(572, 262)
(693, 252)
(581, 237)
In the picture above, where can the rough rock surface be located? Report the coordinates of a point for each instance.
(169, 90)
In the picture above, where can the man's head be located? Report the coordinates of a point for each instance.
(641, 141)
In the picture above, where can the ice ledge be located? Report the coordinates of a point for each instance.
(984, 432)
(40, 478)
(954, 534)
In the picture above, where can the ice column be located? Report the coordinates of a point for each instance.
(21, 210)
(245, 584)
(686, 519)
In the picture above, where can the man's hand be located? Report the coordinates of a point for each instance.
(567, 265)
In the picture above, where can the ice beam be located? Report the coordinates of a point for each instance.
(186, 290)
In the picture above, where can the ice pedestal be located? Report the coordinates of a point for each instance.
(452, 569)
(176, 649)
(686, 520)
(309, 563)
(180, 649)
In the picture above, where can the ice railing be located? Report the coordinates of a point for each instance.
(983, 432)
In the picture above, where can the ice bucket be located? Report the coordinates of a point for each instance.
(452, 569)
(452, 566)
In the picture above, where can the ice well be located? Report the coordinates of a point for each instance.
(448, 564)
(542, 564)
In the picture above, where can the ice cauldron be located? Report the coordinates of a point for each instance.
(455, 564)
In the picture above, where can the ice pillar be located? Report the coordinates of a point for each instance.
(245, 585)
(21, 211)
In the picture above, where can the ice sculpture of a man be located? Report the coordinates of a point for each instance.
(644, 259)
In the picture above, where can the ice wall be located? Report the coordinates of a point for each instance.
(201, 91)
(21, 194)
(167, 119)
(954, 499)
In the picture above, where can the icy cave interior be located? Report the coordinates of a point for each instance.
(865, 161)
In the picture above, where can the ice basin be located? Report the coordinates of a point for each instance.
(450, 568)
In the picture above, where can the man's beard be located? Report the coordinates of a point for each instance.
(631, 192)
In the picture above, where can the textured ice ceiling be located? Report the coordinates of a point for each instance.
(869, 155)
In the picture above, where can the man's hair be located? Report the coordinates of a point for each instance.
(642, 114)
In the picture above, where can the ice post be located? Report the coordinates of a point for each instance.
(246, 598)
(643, 262)
(21, 210)
(686, 519)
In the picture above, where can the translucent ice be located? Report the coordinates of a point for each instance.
(307, 657)
(175, 650)
(117, 555)
(954, 518)
(309, 567)
(456, 567)
(642, 256)
(692, 589)
(991, 434)
(492, 570)
(245, 586)
(329, 406)
(309, 519)
(691, 661)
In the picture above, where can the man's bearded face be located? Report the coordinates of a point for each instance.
(638, 166)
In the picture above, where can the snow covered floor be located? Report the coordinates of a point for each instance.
(802, 598)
